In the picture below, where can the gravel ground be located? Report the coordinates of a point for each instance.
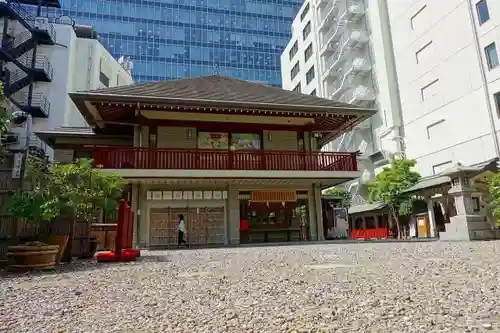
(382, 287)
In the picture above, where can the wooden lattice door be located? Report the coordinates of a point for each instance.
(163, 226)
(196, 224)
(215, 224)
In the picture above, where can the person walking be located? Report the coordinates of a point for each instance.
(181, 227)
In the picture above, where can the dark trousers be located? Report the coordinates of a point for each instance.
(180, 238)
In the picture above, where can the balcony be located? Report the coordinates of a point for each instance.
(37, 105)
(248, 160)
(41, 28)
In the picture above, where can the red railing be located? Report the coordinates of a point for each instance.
(158, 158)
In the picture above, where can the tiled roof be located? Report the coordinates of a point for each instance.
(215, 89)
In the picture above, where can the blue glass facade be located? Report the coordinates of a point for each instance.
(169, 39)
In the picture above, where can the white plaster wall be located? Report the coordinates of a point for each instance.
(287, 64)
(76, 67)
(463, 133)
(76, 63)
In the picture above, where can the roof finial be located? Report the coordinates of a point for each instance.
(216, 70)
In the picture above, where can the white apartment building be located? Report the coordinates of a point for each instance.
(43, 62)
(431, 68)
(446, 55)
(300, 60)
(352, 53)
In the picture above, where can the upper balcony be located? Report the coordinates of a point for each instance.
(136, 162)
(217, 159)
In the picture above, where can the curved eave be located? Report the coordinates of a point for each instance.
(146, 100)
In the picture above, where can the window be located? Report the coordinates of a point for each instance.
(424, 52)
(104, 79)
(438, 168)
(433, 130)
(295, 70)
(429, 90)
(308, 52)
(491, 56)
(313, 93)
(297, 88)
(476, 203)
(307, 30)
(304, 12)
(293, 50)
(483, 14)
(496, 97)
(418, 19)
(310, 75)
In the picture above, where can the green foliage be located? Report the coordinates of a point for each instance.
(493, 197)
(4, 120)
(389, 185)
(74, 188)
(345, 196)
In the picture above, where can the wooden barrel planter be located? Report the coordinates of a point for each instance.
(28, 257)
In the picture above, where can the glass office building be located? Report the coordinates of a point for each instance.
(169, 39)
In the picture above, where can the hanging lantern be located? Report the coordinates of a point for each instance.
(267, 203)
(283, 203)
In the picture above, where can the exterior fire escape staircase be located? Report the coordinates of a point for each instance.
(20, 49)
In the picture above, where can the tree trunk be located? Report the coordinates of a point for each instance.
(396, 219)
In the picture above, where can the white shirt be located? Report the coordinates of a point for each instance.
(182, 226)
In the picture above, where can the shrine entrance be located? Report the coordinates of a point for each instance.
(204, 225)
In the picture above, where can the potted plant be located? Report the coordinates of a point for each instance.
(29, 204)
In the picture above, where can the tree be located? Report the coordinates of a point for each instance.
(75, 188)
(493, 197)
(390, 184)
(345, 197)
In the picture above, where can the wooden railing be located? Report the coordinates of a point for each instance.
(195, 159)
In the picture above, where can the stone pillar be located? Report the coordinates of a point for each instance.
(313, 216)
(233, 217)
(319, 213)
(432, 218)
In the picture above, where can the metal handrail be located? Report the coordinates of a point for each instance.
(335, 29)
(327, 11)
(16, 76)
(8, 44)
(41, 62)
(330, 62)
(17, 7)
(37, 100)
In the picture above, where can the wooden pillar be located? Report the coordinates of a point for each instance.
(377, 221)
(364, 222)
